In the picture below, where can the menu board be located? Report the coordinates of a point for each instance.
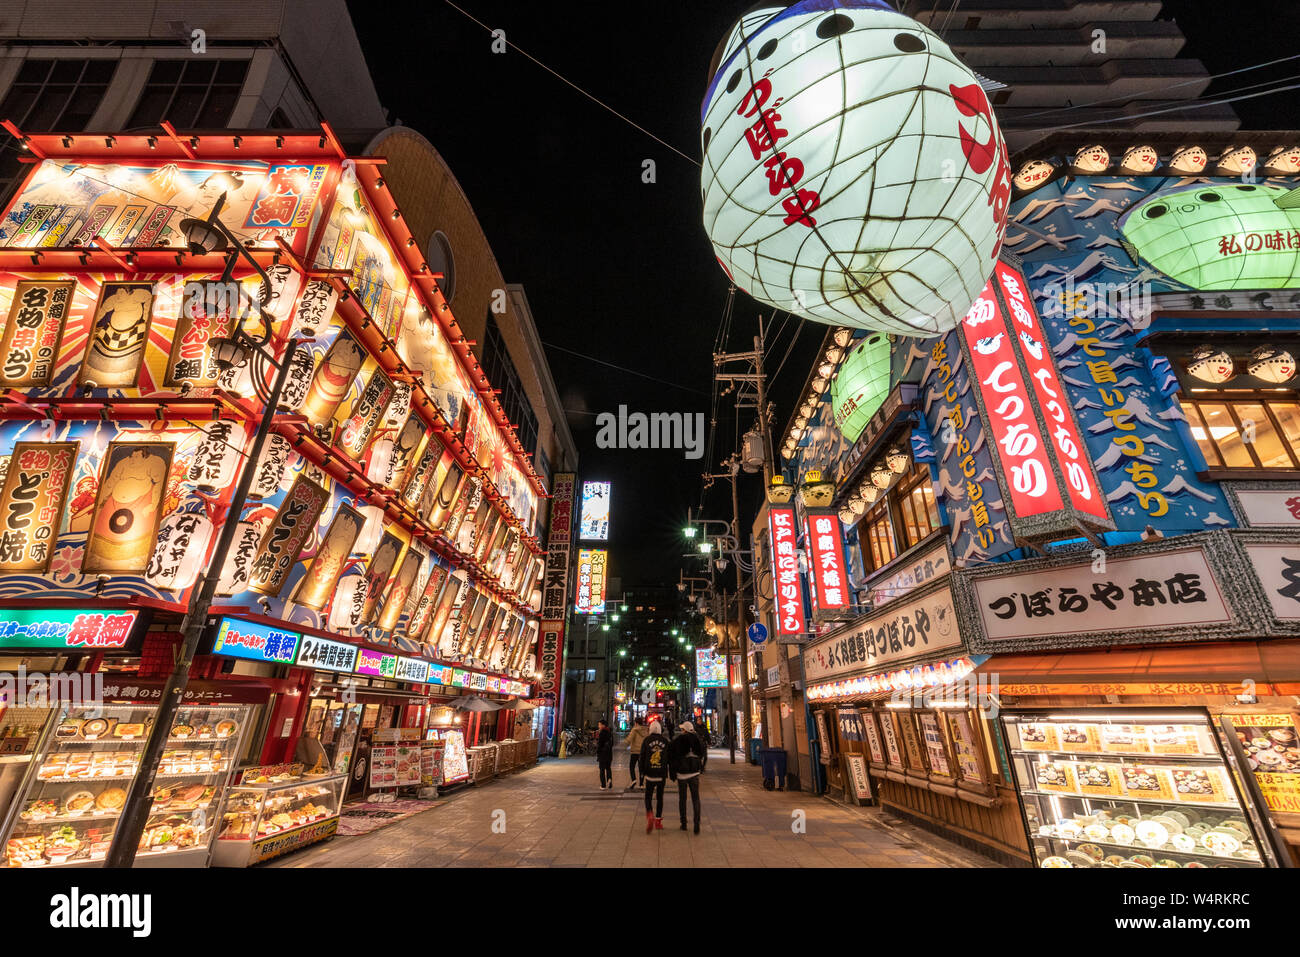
(455, 766)
(965, 748)
(874, 745)
(1272, 747)
(383, 767)
(1038, 737)
(430, 775)
(911, 741)
(889, 731)
(934, 746)
(407, 766)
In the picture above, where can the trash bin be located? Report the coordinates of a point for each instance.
(755, 746)
(773, 760)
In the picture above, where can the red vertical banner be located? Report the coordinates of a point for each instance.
(1070, 449)
(1021, 447)
(826, 568)
(555, 587)
(791, 615)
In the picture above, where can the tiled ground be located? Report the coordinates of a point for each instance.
(555, 815)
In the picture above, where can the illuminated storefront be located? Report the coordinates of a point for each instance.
(392, 509)
(1096, 472)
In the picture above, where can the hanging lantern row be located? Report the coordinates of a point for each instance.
(880, 477)
(909, 679)
(827, 370)
(1144, 159)
(1215, 366)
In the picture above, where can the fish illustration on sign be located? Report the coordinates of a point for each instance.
(1218, 236)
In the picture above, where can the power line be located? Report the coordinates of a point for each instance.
(1161, 88)
(575, 86)
(583, 355)
(1172, 109)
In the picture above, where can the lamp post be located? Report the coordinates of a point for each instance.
(205, 236)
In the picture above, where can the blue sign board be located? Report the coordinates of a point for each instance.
(758, 632)
(247, 639)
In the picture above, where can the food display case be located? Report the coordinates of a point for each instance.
(21, 731)
(288, 810)
(1129, 788)
(74, 792)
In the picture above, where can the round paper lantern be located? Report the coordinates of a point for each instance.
(861, 386)
(1237, 159)
(1139, 159)
(1210, 364)
(1284, 159)
(1033, 174)
(882, 476)
(1188, 160)
(371, 531)
(1092, 159)
(1271, 365)
(239, 562)
(853, 171)
(1216, 236)
(348, 603)
(898, 459)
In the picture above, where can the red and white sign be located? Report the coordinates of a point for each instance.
(826, 562)
(1070, 447)
(790, 612)
(1021, 446)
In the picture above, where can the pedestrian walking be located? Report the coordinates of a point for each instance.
(654, 773)
(686, 763)
(635, 738)
(605, 755)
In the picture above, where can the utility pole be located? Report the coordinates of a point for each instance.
(750, 385)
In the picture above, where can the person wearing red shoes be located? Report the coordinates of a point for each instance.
(654, 769)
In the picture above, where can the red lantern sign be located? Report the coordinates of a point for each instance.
(1042, 461)
(830, 589)
(791, 615)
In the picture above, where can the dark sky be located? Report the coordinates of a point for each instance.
(617, 268)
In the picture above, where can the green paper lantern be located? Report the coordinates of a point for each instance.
(862, 384)
(1218, 235)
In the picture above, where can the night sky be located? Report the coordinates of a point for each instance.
(619, 269)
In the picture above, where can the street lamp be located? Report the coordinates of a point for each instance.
(226, 353)
(706, 548)
(689, 531)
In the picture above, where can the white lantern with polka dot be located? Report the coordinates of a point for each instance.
(853, 170)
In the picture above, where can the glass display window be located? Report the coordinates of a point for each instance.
(1128, 788)
(266, 820)
(76, 790)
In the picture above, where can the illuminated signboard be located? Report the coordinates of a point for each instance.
(826, 562)
(790, 612)
(459, 678)
(1040, 455)
(440, 674)
(412, 669)
(65, 628)
(590, 598)
(326, 655)
(256, 642)
(478, 682)
(595, 512)
(710, 669)
(376, 664)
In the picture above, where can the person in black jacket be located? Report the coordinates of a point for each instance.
(605, 755)
(654, 770)
(686, 761)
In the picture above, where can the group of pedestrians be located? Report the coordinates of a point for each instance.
(654, 759)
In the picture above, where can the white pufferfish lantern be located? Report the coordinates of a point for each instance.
(853, 171)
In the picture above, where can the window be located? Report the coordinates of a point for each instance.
(191, 94)
(877, 536)
(591, 674)
(1253, 432)
(916, 505)
(501, 373)
(52, 96)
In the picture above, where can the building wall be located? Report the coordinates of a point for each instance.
(431, 201)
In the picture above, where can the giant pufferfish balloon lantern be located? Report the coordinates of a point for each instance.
(853, 170)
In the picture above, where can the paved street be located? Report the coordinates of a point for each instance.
(555, 815)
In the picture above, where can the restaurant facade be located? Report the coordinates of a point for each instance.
(1072, 528)
(387, 559)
